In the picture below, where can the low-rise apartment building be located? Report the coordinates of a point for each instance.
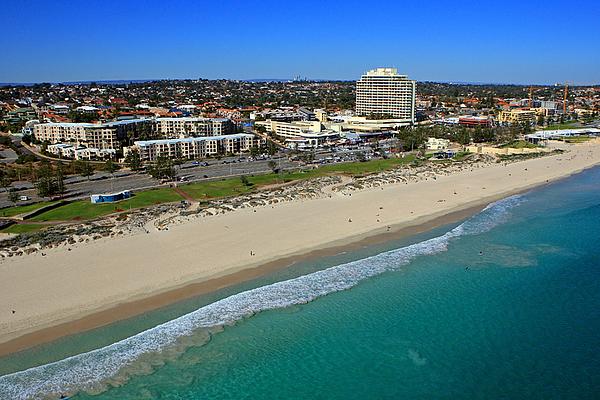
(516, 116)
(194, 147)
(110, 135)
(173, 128)
(64, 150)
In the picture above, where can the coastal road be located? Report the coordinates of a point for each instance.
(102, 182)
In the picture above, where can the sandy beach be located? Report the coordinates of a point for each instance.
(91, 284)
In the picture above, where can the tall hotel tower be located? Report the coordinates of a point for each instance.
(383, 92)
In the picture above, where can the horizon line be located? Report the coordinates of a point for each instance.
(124, 81)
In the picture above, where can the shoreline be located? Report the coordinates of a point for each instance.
(147, 300)
(136, 307)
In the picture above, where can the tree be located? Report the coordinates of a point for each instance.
(540, 120)
(178, 159)
(4, 179)
(273, 165)
(111, 167)
(162, 168)
(13, 196)
(84, 168)
(59, 179)
(482, 135)
(412, 138)
(308, 157)
(45, 183)
(133, 160)
(245, 181)
(271, 148)
(462, 136)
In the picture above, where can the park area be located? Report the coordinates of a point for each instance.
(81, 210)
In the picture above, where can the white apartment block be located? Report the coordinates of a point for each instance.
(100, 136)
(194, 147)
(173, 128)
(437, 144)
(78, 134)
(382, 91)
(64, 150)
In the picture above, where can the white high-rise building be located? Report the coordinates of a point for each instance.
(382, 91)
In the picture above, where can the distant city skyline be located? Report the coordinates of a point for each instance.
(514, 43)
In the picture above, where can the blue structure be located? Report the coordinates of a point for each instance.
(110, 197)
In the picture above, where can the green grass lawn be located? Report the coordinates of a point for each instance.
(23, 228)
(566, 125)
(234, 186)
(12, 211)
(368, 167)
(461, 155)
(519, 144)
(214, 189)
(83, 209)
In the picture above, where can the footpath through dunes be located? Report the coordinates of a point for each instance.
(62, 285)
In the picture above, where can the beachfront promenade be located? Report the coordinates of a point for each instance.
(63, 285)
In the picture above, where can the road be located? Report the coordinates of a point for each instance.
(102, 182)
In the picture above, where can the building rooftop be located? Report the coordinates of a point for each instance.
(384, 72)
(89, 125)
(191, 119)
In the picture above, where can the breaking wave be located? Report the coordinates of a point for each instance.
(88, 370)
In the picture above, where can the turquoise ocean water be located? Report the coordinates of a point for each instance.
(504, 305)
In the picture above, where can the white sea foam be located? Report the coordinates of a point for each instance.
(89, 369)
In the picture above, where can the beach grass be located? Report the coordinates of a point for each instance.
(577, 139)
(17, 210)
(461, 155)
(84, 209)
(23, 228)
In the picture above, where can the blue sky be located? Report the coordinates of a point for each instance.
(526, 41)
